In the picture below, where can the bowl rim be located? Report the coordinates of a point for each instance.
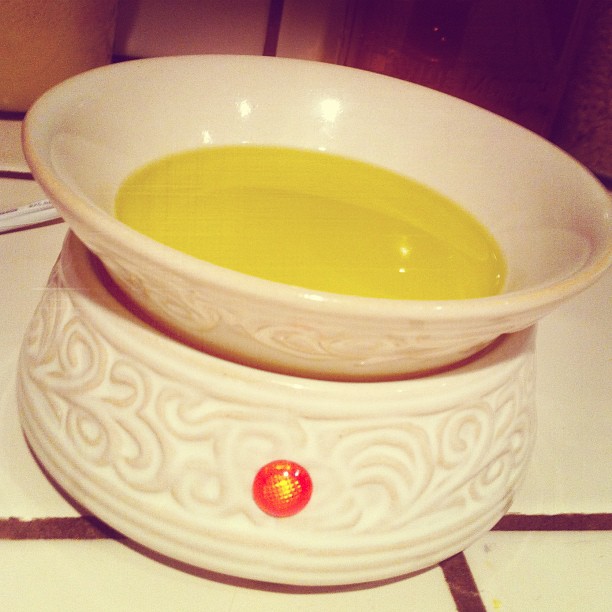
(83, 212)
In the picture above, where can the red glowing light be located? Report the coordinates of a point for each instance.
(282, 488)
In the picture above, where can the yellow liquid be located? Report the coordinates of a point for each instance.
(314, 220)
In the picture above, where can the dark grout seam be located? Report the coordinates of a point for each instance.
(61, 528)
(462, 585)
(456, 569)
(15, 174)
(91, 528)
(555, 522)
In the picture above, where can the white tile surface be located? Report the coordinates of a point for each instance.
(544, 572)
(104, 576)
(17, 192)
(570, 469)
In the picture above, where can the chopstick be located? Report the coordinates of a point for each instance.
(24, 216)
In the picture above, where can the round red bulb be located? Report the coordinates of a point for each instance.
(282, 488)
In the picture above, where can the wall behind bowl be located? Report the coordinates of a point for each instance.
(155, 27)
(311, 30)
(523, 60)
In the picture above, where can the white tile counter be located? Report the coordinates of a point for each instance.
(552, 552)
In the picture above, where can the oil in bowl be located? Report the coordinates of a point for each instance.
(314, 220)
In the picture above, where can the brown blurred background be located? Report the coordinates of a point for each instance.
(546, 64)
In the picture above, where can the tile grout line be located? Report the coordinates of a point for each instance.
(456, 570)
(59, 528)
(555, 522)
(461, 583)
(16, 174)
(90, 527)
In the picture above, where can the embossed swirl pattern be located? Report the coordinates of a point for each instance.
(122, 413)
(407, 344)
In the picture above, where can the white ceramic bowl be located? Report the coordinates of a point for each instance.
(163, 442)
(550, 216)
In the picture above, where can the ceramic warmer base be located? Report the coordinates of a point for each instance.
(162, 442)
